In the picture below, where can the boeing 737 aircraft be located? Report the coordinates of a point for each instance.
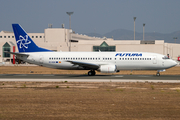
(105, 62)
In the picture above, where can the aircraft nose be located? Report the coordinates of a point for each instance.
(174, 63)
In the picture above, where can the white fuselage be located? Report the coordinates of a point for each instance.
(122, 60)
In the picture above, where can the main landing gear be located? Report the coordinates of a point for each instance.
(91, 73)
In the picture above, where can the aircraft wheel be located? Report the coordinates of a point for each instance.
(157, 74)
(91, 73)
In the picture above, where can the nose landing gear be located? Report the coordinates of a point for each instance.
(91, 73)
(157, 74)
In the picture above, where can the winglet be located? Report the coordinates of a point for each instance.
(24, 42)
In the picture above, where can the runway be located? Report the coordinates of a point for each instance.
(86, 78)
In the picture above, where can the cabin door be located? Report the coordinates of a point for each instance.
(154, 60)
(41, 59)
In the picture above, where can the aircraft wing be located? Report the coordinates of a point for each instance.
(86, 65)
(19, 54)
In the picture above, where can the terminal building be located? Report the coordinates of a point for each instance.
(61, 39)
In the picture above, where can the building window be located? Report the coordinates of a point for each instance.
(32, 36)
(12, 36)
(36, 36)
(104, 47)
(8, 36)
(4, 36)
(0, 36)
(6, 47)
(40, 36)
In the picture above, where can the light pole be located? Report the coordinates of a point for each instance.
(143, 30)
(134, 26)
(175, 38)
(69, 13)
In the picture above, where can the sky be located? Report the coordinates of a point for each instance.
(91, 16)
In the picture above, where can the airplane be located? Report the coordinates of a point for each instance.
(105, 62)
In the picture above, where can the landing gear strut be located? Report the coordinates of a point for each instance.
(91, 73)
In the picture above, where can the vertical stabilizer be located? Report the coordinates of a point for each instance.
(24, 42)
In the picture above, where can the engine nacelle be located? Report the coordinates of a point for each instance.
(108, 69)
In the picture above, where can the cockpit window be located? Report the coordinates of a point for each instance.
(165, 57)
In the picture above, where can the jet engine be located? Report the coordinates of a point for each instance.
(108, 69)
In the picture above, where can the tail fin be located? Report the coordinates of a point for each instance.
(24, 42)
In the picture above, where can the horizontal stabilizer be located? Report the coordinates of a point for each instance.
(19, 54)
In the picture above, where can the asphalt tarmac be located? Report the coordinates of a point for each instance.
(86, 78)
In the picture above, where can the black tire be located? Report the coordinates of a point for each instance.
(90, 73)
(157, 74)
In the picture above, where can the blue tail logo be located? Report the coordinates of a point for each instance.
(24, 42)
